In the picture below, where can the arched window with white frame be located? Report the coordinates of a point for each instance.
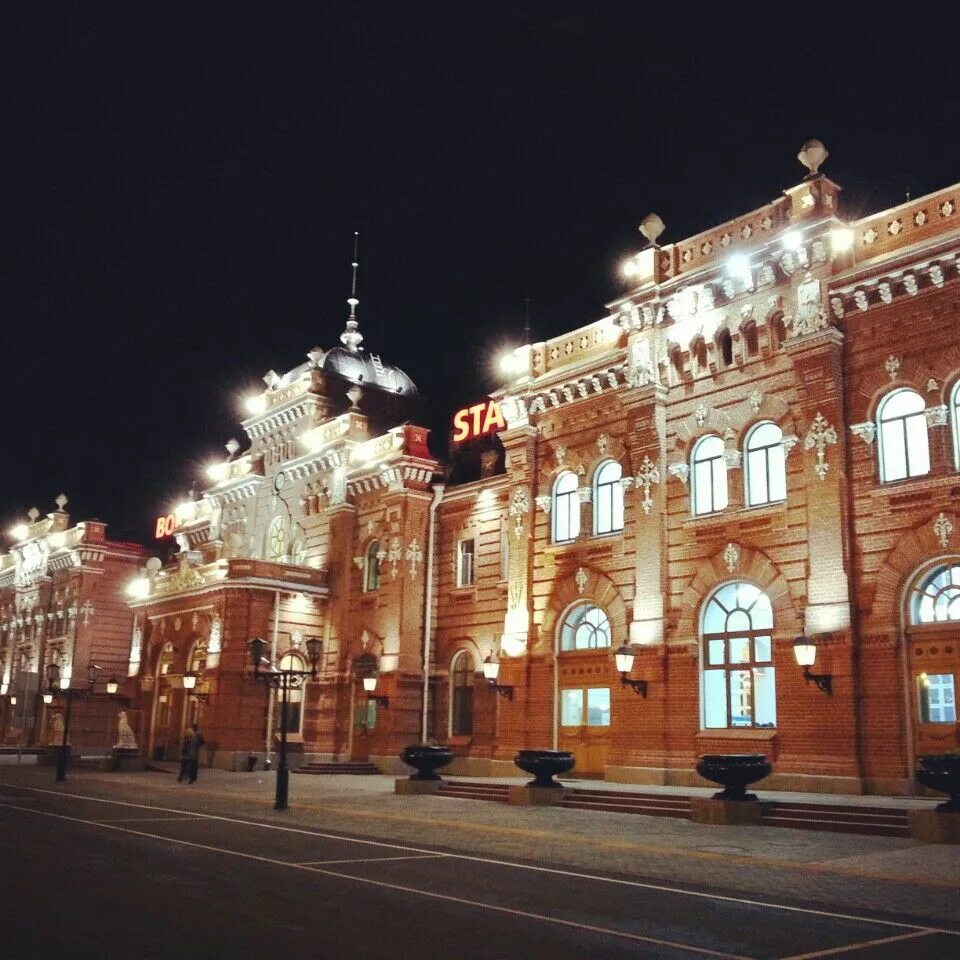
(936, 597)
(566, 508)
(903, 445)
(608, 498)
(765, 465)
(461, 694)
(933, 612)
(371, 578)
(955, 419)
(585, 627)
(708, 470)
(292, 661)
(739, 679)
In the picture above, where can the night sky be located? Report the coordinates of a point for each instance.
(181, 187)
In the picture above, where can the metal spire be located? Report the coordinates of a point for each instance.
(351, 338)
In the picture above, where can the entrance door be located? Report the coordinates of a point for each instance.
(364, 720)
(935, 671)
(585, 728)
(167, 727)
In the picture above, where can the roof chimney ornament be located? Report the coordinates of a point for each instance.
(812, 155)
(651, 226)
(351, 338)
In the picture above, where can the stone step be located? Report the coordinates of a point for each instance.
(333, 767)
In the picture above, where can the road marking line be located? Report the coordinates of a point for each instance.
(858, 946)
(639, 884)
(429, 894)
(418, 856)
(143, 819)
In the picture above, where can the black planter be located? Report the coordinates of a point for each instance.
(734, 771)
(941, 772)
(426, 760)
(544, 765)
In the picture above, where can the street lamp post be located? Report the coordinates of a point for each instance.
(284, 681)
(69, 694)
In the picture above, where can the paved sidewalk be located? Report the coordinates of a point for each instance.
(847, 871)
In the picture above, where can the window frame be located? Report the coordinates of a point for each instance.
(296, 696)
(728, 666)
(566, 624)
(371, 568)
(765, 451)
(883, 451)
(471, 567)
(921, 589)
(616, 496)
(568, 501)
(718, 476)
(955, 419)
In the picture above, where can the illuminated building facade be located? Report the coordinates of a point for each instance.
(62, 602)
(759, 442)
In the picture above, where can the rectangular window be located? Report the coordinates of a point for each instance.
(571, 708)
(465, 565)
(757, 477)
(598, 707)
(937, 699)
(715, 699)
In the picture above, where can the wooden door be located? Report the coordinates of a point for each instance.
(585, 728)
(934, 677)
(364, 720)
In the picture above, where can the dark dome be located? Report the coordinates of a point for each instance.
(368, 370)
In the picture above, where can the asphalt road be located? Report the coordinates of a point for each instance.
(92, 878)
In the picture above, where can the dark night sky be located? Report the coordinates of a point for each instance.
(181, 188)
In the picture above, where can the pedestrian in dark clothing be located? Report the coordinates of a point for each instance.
(186, 746)
(196, 742)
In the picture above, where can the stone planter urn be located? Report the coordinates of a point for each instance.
(426, 760)
(734, 771)
(544, 765)
(941, 772)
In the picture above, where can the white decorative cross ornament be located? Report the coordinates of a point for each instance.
(821, 433)
(87, 610)
(892, 366)
(649, 473)
(581, 579)
(942, 528)
(519, 505)
(394, 557)
(414, 555)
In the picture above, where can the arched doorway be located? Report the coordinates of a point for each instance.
(932, 631)
(583, 654)
(167, 707)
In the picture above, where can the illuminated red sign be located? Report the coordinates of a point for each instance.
(166, 526)
(477, 420)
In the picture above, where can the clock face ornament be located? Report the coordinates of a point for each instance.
(279, 480)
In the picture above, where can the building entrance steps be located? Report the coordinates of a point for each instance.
(877, 816)
(328, 768)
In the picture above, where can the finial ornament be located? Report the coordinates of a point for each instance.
(33, 513)
(61, 501)
(351, 338)
(812, 155)
(232, 446)
(651, 226)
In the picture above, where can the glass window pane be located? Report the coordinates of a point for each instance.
(739, 649)
(738, 620)
(741, 698)
(937, 698)
(757, 477)
(918, 451)
(714, 617)
(719, 484)
(573, 513)
(604, 508)
(892, 451)
(702, 492)
(761, 649)
(714, 699)
(764, 697)
(617, 508)
(598, 707)
(715, 652)
(571, 708)
(777, 466)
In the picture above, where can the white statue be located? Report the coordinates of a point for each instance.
(55, 730)
(125, 738)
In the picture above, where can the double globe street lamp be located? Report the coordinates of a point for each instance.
(284, 681)
(69, 694)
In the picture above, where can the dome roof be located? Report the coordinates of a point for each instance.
(368, 370)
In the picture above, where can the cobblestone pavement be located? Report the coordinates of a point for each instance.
(847, 871)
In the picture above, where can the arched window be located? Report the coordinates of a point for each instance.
(955, 415)
(461, 694)
(749, 336)
(902, 431)
(371, 578)
(765, 466)
(585, 627)
(725, 347)
(608, 498)
(277, 540)
(700, 352)
(566, 508)
(292, 661)
(709, 476)
(739, 683)
(936, 597)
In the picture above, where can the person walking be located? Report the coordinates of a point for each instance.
(186, 746)
(196, 742)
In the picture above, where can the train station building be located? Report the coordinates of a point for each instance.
(758, 442)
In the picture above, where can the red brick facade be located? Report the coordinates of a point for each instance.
(334, 524)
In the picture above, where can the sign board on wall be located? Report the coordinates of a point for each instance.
(166, 526)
